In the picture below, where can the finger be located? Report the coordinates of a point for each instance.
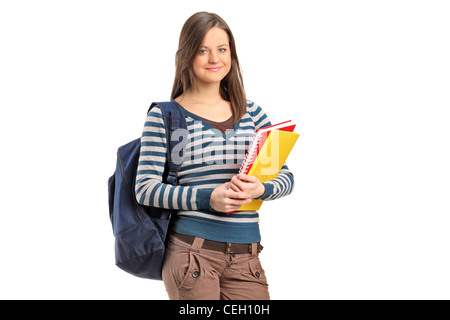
(240, 184)
(238, 203)
(244, 177)
(234, 187)
(235, 205)
(237, 195)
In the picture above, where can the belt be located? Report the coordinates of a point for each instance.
(225, 247)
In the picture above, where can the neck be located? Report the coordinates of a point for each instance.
(206, 92)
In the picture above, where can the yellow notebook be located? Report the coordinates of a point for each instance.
(270, 159)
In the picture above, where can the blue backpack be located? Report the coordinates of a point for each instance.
(140, 231)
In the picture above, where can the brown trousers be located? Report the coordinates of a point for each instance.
(192, 273)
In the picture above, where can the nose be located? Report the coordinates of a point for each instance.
(213, 58)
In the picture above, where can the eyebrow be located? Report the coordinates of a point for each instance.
(222, 45)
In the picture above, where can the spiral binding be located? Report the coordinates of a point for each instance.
(251, 154)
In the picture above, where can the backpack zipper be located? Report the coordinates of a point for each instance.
(133, 198)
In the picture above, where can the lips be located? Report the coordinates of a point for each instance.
(214, 69)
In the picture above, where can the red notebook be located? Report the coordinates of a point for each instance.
(258, 141)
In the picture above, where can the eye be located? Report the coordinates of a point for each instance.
(202, 51)
(222, 50)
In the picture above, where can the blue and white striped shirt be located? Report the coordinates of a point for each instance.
(211, 158)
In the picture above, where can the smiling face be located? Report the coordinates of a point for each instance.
(213, 60)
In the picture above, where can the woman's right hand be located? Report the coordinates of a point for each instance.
(224, 199)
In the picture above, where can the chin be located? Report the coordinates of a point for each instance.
(212, 79)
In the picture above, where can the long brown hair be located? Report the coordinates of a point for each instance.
(191, 37)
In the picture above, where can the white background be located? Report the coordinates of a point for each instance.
(367, 82)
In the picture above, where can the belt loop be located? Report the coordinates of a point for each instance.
(254, 249)
(197, 244)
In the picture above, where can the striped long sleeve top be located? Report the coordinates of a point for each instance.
(211, 158)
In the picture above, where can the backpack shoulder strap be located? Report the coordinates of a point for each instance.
(176, 133)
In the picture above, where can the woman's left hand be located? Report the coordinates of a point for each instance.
(249, 184)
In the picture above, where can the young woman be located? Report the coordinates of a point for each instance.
(210, 254)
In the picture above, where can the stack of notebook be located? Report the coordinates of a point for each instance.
(267, 154)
